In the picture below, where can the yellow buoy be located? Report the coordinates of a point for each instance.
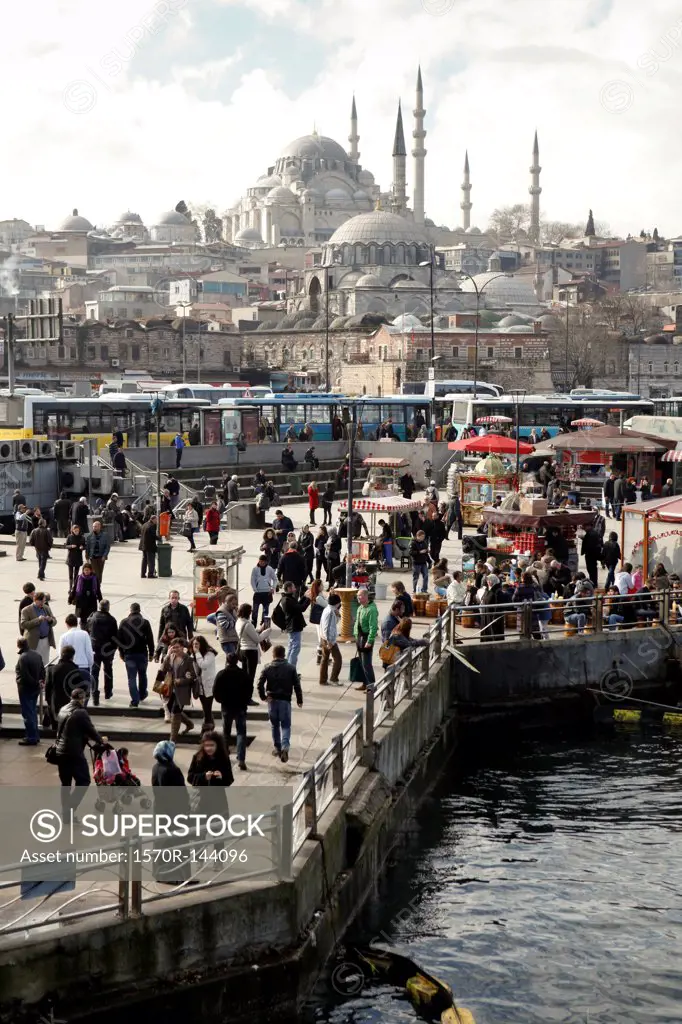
(627, 716)
(458, 1016)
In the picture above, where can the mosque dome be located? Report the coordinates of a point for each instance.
(377, 226)
(408, 322)
(365, 178)
(512, 320)
(409, 284)
(360, 194)
(336, 195)
(310, 147)
(248, 235)
(75, 223)
(268, 181)
(172, 217)
(129, 218)
(429, 223)
(368, 281)
(502, 290)
(517, 329)
(473, 231)
(281, 194)
(550, 323)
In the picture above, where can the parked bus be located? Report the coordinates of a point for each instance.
(441, 388)
(554, 413)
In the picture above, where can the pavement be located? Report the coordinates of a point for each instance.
(326, 710)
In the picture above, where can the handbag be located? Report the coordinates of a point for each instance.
(357, 673)
(316, 614)
(265, 646)
(51, 754)
(388, 653)
(163, 685)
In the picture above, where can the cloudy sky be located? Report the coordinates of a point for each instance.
(141, 103)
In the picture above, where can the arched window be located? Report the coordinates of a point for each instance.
(304, 354)
(347, 255)
(394, 255)
(285, 356)
(400, 253)
(676, 367)
(387, 254)
(412, 254)
(665, 367)
(372, 254)
(379, 257)
(360, 254)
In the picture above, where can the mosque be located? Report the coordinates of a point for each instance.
(377, 248)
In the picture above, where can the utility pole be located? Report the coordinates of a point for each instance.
(351, 472)
(9, 345)
(326, 330)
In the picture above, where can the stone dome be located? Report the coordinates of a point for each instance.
(377, 226)
(281, 194)
(75, 223)
(551, 323)
(516, 329)
(503, 290)
(512, 320)
(336, 194)
(409, 284)
(368, 281)
(248, 235)
(360, 194)
(408, 322)
(310, 147)
(473, 231)
(268, 181)
(172, 217)
(365, 178)
(129, 218)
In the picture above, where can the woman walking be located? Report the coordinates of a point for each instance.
(75, 546)
(179, 675)
(320, 546)
(306, 545)
(166, 868)
(190, 526)
(270, 547)
(250, 640)
(205, 658)
(211, 772)
(87, 595)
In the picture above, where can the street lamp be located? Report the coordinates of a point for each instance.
(185, 307)
(518, 394)
(429, 263)
(479, 292)
(327, 267)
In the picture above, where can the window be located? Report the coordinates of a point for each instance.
(123, 351)
(135, 352)
(419, 354)
(491, 352)
(665, 367)
(676, 367)
(129, 332)
(61, 353)
(91, 351)
(651, 367)
(518, 352)
(73, 354)
(91, 314)
(123, 311)
(455, 352)
(227, 359)
(165, 353)
(155, 352)
(104, 352)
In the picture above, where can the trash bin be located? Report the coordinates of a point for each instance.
(165, 524)
(163, 555)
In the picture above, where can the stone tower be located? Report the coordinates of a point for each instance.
(535, 191)
(589, 228)
(399, 200)
(466, 203)
(419, 153)
(354, 138)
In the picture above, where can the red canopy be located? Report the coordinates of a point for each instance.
(491, 443)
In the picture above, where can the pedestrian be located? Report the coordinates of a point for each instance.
(419, 554)
(271, 547)
(29, 590)
(645, 488)
(328, 496)
(609, 484)
(492, 618)
(61, 511)
(179, 674)
(173, 487)
(289, 617)
(135, 642)
(148, 545)
(407, 485)
(313, 500)
(175, 613)
(263, 585)
(103, 630)
(394, 616)
(62, 677)
(40, 540)
(87, 594)
(320, 546)
(212, 522)
(232, 690)
(333, 551)
(74, 729)
(30, 676)
(385, 543)
(23, 525)
(79, 514)
(400, 594)
(83, 656)
(292, 568)
(276, 685)
(591, 550)
(211, 772)
(226, 625)
(282, 526)
(97, 548)
(365, 631)
(457, 589)
(170, 865)
(328, 635)
(37, 622)
(17, 499)
(667, 489)
(178, 443)
(205, 658)
(619, 488)
(119, 464)
(436, 537)
(306, 545)
(190, 525)
(250, 639)
(610, 557)
(232, 489)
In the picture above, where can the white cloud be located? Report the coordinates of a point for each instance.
(600, 82)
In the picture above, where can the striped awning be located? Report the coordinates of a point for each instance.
(396, 504)
(376, 462)
(672, 456)
(494, 419)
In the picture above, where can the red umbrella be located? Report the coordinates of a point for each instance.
(494, 419)
(491, 443)
(587, 421)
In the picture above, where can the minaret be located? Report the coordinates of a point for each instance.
(535, 191)
(589, 228)
(354, 138)
(466, 203)
(399, 199)
(419, 153)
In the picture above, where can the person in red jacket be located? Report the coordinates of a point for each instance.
(212, 522)
(313, 501)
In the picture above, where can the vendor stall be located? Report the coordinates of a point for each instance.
(586, 457)
(651, 532)
(512, 534)
(489, 479)
(383, 476)
(391, 506)
(212, 567)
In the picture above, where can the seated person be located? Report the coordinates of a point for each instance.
(288, 459)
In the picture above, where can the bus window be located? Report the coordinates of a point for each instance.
(231, 426)
(211, 427)
(370, 417)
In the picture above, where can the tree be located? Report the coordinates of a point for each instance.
(213, 226)
(186, 212)
(623, 312)
(589, 228)
(554, 231)
(508, 221)
(581, 353)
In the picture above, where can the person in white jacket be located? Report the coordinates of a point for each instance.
(263, 584)
(205, 658)
(250, 639)
(457, 589)
(329, 634)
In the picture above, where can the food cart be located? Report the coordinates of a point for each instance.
(651, 533)
(586, 457)
(384, 475)
(514, 534)
(210, 568)
(489, 479)
(391, 506)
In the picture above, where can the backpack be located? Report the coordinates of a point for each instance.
(278, 616)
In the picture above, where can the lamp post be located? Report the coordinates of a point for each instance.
(479, 292)
(429, 263)
(566, 387)
(327, 268)
(518, 394)
(185, 307)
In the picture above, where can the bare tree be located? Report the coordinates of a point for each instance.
(508, 221)
(554, 231)
(624, 312)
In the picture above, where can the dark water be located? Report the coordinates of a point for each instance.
(544, 885)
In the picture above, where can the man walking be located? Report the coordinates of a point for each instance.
(610, 558)
(591, 550)
(79, 514)
(30, 675)
(609, 484)
(618, 494)
(83, 656)
(61, 512)
(277, 683)
(232, 490)
(103, 630)
(135, 643)
(178, 444)
(292, 568)
(365, 632)
(97, 548)
(328, 635)
(328, 496)
(419, 553)
(37, 621)
(40, 540)
(148, 545)
(174, 613)
(289, 612)
(74, 729)
(22, 527)
(263, 585)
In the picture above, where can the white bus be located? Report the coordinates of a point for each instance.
(554, 413)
